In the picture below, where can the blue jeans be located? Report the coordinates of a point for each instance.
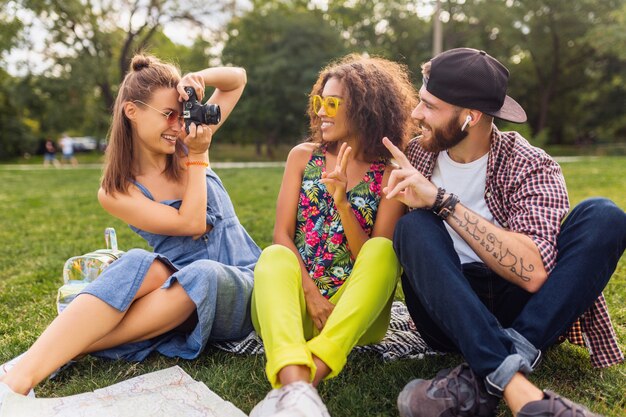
(498, 327)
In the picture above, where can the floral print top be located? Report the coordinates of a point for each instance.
(319, 236)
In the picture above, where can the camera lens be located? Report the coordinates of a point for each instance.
(212, 114)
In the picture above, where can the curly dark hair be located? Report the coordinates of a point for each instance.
(379, 100)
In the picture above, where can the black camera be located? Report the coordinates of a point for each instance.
(196, 112)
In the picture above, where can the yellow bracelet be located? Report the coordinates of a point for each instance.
(201, 163)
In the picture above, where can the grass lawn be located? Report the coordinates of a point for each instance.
(51, 215)
(220, 151)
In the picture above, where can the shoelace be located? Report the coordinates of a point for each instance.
(574, 408)
(456, 379)
(303, 389)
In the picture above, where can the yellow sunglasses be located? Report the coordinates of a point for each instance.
(330, 104)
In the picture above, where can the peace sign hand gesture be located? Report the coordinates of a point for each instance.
(336, 181)
(406, 184)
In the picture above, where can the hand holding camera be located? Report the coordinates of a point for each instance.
(197, 113)
(199, 139)
(228, 82)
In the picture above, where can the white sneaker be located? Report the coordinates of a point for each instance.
(300, 399)
(7, 366)
(267, 406)
(4, 391)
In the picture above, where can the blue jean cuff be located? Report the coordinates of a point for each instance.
(498, 379)
(523, 347)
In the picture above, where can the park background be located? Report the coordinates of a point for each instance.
(61, 63)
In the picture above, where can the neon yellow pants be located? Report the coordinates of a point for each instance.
(361, 314)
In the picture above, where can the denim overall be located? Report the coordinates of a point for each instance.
(215, 270)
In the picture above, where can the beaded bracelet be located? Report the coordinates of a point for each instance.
(448, 206)
(201, 163)
(438, 200)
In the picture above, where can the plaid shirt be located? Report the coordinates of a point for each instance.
(525, 191)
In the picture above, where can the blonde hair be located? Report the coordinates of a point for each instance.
(146, 75)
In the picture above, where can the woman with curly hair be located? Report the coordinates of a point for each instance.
(328, 282)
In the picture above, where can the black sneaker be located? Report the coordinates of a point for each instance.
(456, 392)
(554, 405)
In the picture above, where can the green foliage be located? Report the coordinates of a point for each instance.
(605, 100)
(10, 26)
(610, 37)
(569, 80)
(91, 45)
(569, 84)
(567, 66)
(51, 215)
(282, 48)
(566, 58)
(391, 29)
(16, 135)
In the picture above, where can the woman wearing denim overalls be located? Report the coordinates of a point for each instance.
(197, 283)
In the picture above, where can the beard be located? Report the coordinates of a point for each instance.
(444, 138)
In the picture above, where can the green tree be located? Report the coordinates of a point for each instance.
(282, 46)
(605, 99)
(391, 29)
(99, 38)
(90, 44)
(547, 45)
(10, 26)
(17, 131)
(560, 56)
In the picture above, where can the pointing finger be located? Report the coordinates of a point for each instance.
(397, 154)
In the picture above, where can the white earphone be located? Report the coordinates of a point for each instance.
(467, 120)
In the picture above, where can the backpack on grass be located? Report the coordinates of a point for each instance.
(79, 271)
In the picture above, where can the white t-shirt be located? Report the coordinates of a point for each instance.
(67, 145)
(468, 182)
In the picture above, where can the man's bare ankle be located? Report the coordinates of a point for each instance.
(519, 392)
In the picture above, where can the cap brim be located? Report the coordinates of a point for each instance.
(510, 111)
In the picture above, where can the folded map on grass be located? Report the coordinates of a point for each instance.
(169, 392)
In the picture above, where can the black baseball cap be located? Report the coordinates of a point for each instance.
(470, 78)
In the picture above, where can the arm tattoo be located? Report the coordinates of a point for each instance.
(493, 246)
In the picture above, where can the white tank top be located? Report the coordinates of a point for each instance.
(468, 182)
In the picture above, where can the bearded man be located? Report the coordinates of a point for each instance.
(490, 269)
